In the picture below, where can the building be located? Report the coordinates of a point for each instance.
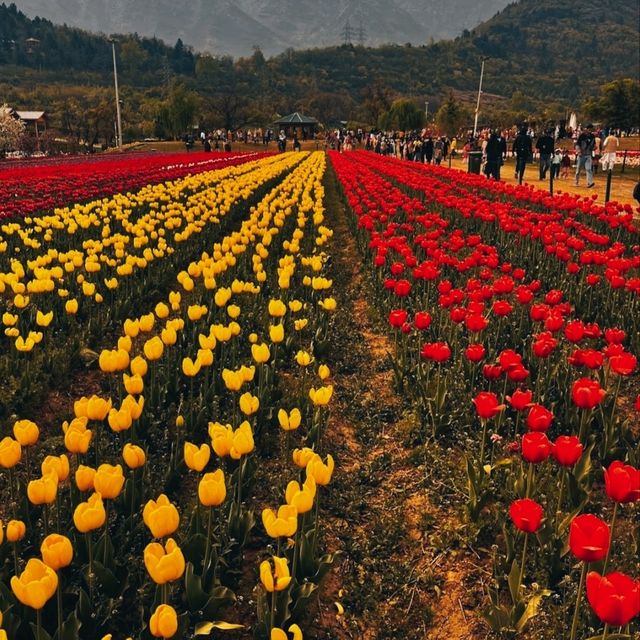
(296, 123)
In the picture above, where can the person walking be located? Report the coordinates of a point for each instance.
(585, 144)
(609, 149)
(494, 154)
(522, 151)
(544, 146)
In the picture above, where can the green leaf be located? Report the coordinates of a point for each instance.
(196, 597)
(220, 597)
(205, 628)
(498, 618)
(70, 628)
(532, 608)
(43, 634)
(514, 582)
(583, 467)
(108, 581)
(612, 636)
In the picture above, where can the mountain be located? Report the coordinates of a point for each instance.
(231, 27)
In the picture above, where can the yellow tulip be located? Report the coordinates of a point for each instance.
(120, 420)
(276, 578)
(96, 408)
(109, 480)
(131, 328)
(139, 366)
(191, 368)
(233, 380)
(146, 322)
(84, 477)
(90, 515)
(16, 530)
(233, 311)
(164, 564)
(289, 421)
(26, 432)
(71, 306)
(206, 342)
(36, 584)
(164, 622)
(133, 406)
(301, 497)
(44, 319)
(161, 517)
(328, 304)
(276, 333)
(133, 384)
(58, 465)
(323, 372)
(56, 551)
(196, 458)
(133, 455)
(249, 403)
(212, 489)
(277, 308)
(301, 457)
(260, 352)
(76, 435)
(20, 301)
(320, 397)
(9, 319)
(153, 348)
(303, 358)
(295, 306)
(161, 310)
(43, 490)
(320, 471)
(10, 452)
(205, 357)
(282, 525)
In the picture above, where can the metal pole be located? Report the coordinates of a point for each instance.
(607, 193)
(115, 80)
(551, 170)
(475, 121)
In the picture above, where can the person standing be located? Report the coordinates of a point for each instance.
(585, 144)
(494, 153)
(544, 146)
(523, 152)
(609, 149)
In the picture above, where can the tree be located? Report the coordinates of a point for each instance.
(11, 131)
(617, 105)
(181, 109)
(404, 115)
(452, 116)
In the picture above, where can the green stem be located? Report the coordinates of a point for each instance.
(207, 553)
(574, 626)
(482, 443)
(315, 524)
(529, 480)
(46, 519)
(59, 604)
(605, 633)
(15, 558)
(38, 624)
(90, 548)
(13, 496)
(106, 532)
(611, 526)
(524, 555)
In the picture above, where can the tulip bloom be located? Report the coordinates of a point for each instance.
(164, 622)
(56, 551)
(280, 634)
(196, 458)
(275, 579)
(249, 403)
(260, 353)
(487, 405)
(526, 515)
(587, 393)
(10, 452)
(320, 397)
(320, 471)
(84, 477)
(212, 489)
(164, 564)
(301, 457)
(26, 432)
(161, 517)
(36, 584)
(567, 450)
(43, 490)
(90, 515)
(589, 538)
(109, 480)
(133, 456)
(397, 317)
(289, 421)
(301, 497)
(622, 482)
(615, 598)
(16, 530)
(535, 447)
(282, 525)
(539, 418)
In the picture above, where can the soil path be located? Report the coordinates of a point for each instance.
(404, 572)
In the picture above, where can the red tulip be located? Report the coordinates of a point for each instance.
(437, 351)
(520, 400)
(535, 447)
(422, 320)
(402, 288)
(475, 352)
(587, 393)
(623, 364)
(487, 405)
(615, 598)
(622, 482)
(614, 335)
(589, 538)
(539, 418)
(397, 317)
(526, 515)
(567, 450)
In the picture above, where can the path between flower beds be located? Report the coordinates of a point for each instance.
(403, 572)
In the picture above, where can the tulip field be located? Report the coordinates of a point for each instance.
(309, 395)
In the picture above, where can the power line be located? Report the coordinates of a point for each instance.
(347, 33)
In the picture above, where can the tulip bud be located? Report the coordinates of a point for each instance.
(212, 489)
(164, 622)
(16, 530)
(57, 551)
(133, 455)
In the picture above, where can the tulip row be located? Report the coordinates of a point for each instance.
(101, 250)
(552, 239)
(468, 325)
(231, 390)
(25, 191)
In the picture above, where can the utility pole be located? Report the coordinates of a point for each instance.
(361, 34)
(115, 81)
(475, 122)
